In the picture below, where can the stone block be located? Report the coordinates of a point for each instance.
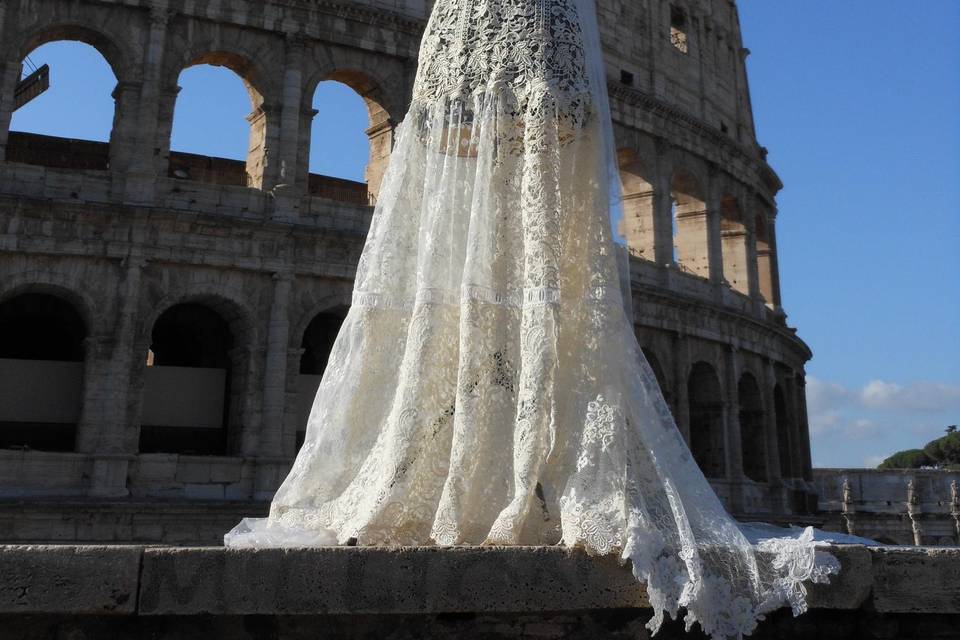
(154, 467)
(192, 470)
(347, 580)
(851, 588)
(225, 470)
(80, 580)
(203, 491)
(912, 580)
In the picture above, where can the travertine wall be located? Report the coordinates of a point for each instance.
(484, 593)
(902, 506)
(127, 232)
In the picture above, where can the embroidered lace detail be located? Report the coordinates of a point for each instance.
(486, 385)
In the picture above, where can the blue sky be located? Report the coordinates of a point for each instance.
(859, 104)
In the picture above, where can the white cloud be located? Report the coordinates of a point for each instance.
(917, 396)
(826, 397)
(822, 395)
(849, 425)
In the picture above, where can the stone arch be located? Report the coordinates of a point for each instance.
(691, 235)
(382, 120)
(230, 377)
(784, 424)
(95, 317)
(333, 302)
(734, 238)
(752, 428)
(315, 346)
(706, 411)
(114, 50)
(317, 340)
(43, 339)
(659, 373)
(263, 117)
(54, 151)
(636, 184)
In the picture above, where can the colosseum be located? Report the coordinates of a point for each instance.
(165, 317)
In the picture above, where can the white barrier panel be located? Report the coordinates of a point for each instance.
(183, 397)
(47, 391)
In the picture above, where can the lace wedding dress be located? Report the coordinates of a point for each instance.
(486, 386)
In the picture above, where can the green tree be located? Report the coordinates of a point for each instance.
(909, 459)
(945, 450)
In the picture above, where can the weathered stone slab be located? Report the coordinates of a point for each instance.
(924, 580)
(382, 580)
(74, 579)
(852, 587)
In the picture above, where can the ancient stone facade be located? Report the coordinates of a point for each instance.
(194, 299)
(903, 506)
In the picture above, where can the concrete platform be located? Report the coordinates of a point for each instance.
(87, 592)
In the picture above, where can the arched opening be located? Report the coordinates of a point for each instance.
(341, 148)
(352, 136)
(706, 420)
(658, 372)
(733, 235)
(41, 365)
(637, 225)
(187, 383)
(752, 422)
(766, 260)
(317, 343)
(219, 126)
(690, 232)
(784, 428)
(64, 107)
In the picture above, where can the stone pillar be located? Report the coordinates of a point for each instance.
(681, 362)
(714, 242)
(796, 442)
(753, 276)
(770, 413)
(307, 114)
(382, 138)
(262, 153)
(291, 418)
(773, 265)
(767, 264)
(848, 508)
(94, 412)
(9, 76)
(166, 104)
(152, 138)
(123, 136)
(117, 438)
(734, 446)
(662, 210)
(275, 371)
(246, 400)
(290, 181)
(803, 428)
(778, 498)
(914, 512)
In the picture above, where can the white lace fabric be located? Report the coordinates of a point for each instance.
(486, 385)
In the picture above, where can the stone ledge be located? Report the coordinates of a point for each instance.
(149, 581)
